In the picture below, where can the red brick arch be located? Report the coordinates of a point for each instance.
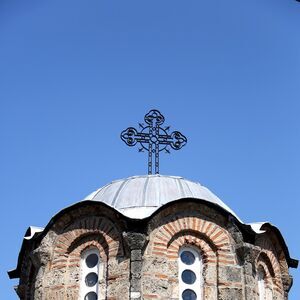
(213, 242)
(95, 231)
(191, 238)
(212, 239)
(268, 261)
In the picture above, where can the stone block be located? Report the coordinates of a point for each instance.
(230, 294)
(231, 274)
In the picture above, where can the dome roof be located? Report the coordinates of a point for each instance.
(138, 197)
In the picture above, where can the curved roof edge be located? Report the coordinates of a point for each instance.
(31, 233)
(34, 233)
(261, 227)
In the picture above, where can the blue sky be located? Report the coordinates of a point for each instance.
(74, 74)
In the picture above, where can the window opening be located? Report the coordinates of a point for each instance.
(261, 283)
(190, 274)
(90, 267)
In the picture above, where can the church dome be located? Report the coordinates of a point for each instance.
(138, 197)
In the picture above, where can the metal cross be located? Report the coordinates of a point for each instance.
(153, 138)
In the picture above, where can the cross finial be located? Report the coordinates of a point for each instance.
(153, 138)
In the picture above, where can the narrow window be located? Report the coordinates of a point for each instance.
(261, 283)
(190, 274)
(90, 267)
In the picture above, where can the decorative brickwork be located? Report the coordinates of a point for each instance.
(139, 259)
(274, 267)
(61, 275)
(86, 232)
(189, 227)
(209, 237)
(270, 265)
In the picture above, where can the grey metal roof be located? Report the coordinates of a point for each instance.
(139, 197)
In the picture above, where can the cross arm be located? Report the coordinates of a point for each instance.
(131, 136)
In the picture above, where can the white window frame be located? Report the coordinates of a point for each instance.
(264, 292)
(85, 270)
(261, 283)
(196, 267)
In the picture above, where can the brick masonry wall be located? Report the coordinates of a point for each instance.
(169, 232)
(226, 275)
(141, 261)
(59, 277)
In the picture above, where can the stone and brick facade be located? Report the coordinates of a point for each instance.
(140, 256)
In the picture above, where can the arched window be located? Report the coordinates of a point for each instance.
(261, 283)
(190, 274)
(264, 290)
(90, 273)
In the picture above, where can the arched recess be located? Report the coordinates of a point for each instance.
(106, 232)
(268, 256)
(267, 261)
(62, 274)
(218, 238)
(270, 240)
(213, 242)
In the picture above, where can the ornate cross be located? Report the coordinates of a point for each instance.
(153, 138)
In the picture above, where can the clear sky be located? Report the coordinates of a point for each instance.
(74, 74)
